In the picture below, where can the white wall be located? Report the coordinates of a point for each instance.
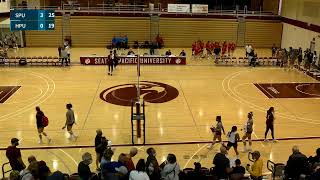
(298, 37)
(4, 6)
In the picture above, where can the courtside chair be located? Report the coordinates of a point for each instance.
(15, 60)
(233, 60)
(266, 60)
(273, 61)
(49, 61)
(55, 60)
(8, 62)
(33, 60)
(45, 60)
(245, 60)
(29, 60)
(240, 60)
(39, 60)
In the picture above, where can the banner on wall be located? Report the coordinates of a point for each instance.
(200, 8)
(179, 8)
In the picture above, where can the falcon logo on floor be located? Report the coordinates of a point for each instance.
(152, 92)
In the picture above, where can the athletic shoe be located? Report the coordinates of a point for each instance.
(108, 73)
(40, 141)
(210, 146)
(265, 140)
(274, 140)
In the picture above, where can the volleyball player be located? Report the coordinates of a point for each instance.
(40, 125)
(217, 131)
(70, 121)
(270, 124)
(233, 138)
(248, 129)
(110, 63)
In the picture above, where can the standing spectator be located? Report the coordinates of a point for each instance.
(70, 121)
(129, 164)
(152, 165)
(171, 168)
(68, 50)
(64, 56)
(40, 126)
(299, 57)
(97, 142)
(217, 132)
(248, 129)
(59, 51)
(270, 124)
(83, 167)
(233, 138)
(297, 165)
(14, 155)
(101, 148)
(140, 172)
(274, 50)
(313, 45)
(256, 169)
(222, 164)
(248, 49)
(110, 63)
(238, 171)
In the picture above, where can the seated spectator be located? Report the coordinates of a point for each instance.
(130, 52)
(238, 171)
(135, 44)
(297, 164)
(152, 165)
(140, 172)
(182, 54)
(106, 158)
(129, 163)
(46, 174)
(316, 173)
(117, 169)
(316, 159)
(222, 164)
(14, 155)
(171, 168)
(83, 167)
(14, 175)
(168, 53)
(256, 169)
(196, 173)
(32, 172)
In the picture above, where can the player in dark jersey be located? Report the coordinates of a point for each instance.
(270, 124)
(40, 126)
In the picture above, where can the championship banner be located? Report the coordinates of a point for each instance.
(179, 8)
(155, 60)
(200, 8)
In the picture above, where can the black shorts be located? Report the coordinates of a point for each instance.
(230, 144)
(70, 124)
(249, 132)
(40, 126)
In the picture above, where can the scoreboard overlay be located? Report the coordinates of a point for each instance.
(32, 19)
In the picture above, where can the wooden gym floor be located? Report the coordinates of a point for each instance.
(180, 125)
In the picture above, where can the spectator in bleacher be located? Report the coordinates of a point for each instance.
(13, 154)
(113, 42)
(125, 38)
(117, 169)
(222, 164)
(97, 142)
(238, 171)
(300, 57)
(256, 168)
(140, 172)
(197, 173)
(46, 174)
(316, 173)
(129, 164)
(171, 168)
(14, 175)
(130, 52)
(315, 159)
(168, 53)
(297, 165)
(182, 53)
(152, 165)
(32, 171)
(83, 167)
(106, 158)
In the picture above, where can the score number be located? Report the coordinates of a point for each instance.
(46, 25)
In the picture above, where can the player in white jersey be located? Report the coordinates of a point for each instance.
(233, 138)
(248, 129)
